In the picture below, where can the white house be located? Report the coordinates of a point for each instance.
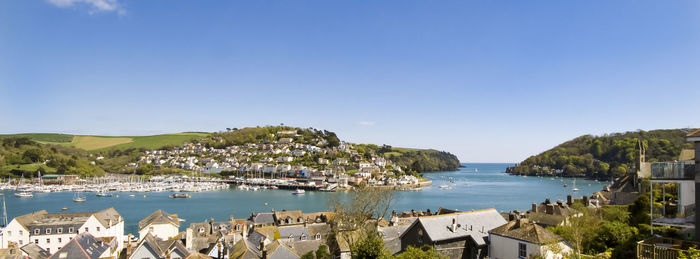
(521, 239)
(160, 224)
(151, 247)
(51, 231)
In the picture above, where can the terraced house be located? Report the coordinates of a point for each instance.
(52, 231)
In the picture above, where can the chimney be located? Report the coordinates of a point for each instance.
(245, 230)
(550, 209)
(534, 207)
(569, 200)
(211, 226)
(429, 212)
(511, 217)
(454, 225)
(546, 201)
(262, 249)
(230, 218)
(189, 239)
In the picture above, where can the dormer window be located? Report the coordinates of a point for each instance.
(302, 237)
(37, 231)
(59, 230)
(238, 227)
(300, 220)
(201, 230)
(291, 237)
(289, 220)
(318, 236)
(48, 231)
(70, 230)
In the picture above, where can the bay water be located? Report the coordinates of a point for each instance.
(474, 186)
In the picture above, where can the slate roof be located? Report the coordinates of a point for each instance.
(34, 251)
(545, 220)
(296, 232)
(159, 217)
(161, 247)
(472, 223)
(280, 250)
(303, 247)
(264, 218)
(281, 216)
(82, 246)
(523, 230)
(41, 220)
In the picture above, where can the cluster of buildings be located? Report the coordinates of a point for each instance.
(283, 158)
(272, 234)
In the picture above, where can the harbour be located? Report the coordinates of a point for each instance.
(487, 187)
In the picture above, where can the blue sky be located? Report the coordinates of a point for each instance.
(490, 81)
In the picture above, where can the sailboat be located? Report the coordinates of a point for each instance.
(575, 189)
(103, 193)
(78, 197)
(22, 194)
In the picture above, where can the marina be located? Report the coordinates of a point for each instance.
(469, 190)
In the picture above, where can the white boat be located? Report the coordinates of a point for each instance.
(299, 191)
(575, 189)
(24, 194)
(103, 194)
(77, 197)
(444, 186)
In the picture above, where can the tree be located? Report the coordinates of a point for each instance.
(353, 220)
(369, 247)
(425, 252)
(580, 228)
(308, 255)
(322, 252)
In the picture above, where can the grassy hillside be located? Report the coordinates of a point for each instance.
(605, 156)
(103, 143)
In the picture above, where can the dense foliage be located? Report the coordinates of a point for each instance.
(268, 134)
(21, 156)
(414, 160)
(604, 156)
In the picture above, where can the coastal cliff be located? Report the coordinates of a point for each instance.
(603, 157)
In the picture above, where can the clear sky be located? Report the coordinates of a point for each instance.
(490, 81)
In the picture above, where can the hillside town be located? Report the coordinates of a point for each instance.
(284, 156)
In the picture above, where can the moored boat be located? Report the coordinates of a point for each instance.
(180, 195)
(24, 194)
(299, 191)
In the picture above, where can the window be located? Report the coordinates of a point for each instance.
(36, 241)
(48, 250)
(201, 230)
(318, 236)
(48, 240)
(98, 229)
(20, 242)
(302, 237)
(59, 230)
(86, 230)
(59, 240)
(48, 231)
(37, 231)
(150, 229)
(238, 227)
(70, 230)
(21, 232)
(522, 250)
(420, 236)
(63, 255)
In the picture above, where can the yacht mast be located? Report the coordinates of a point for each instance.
(4, 212)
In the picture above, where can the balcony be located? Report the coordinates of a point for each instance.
(673, 171)
(662, 248)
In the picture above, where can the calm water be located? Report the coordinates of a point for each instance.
(487, 188)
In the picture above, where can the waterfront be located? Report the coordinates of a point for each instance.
(477, 186)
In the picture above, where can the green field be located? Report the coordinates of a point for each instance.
(91, 143)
